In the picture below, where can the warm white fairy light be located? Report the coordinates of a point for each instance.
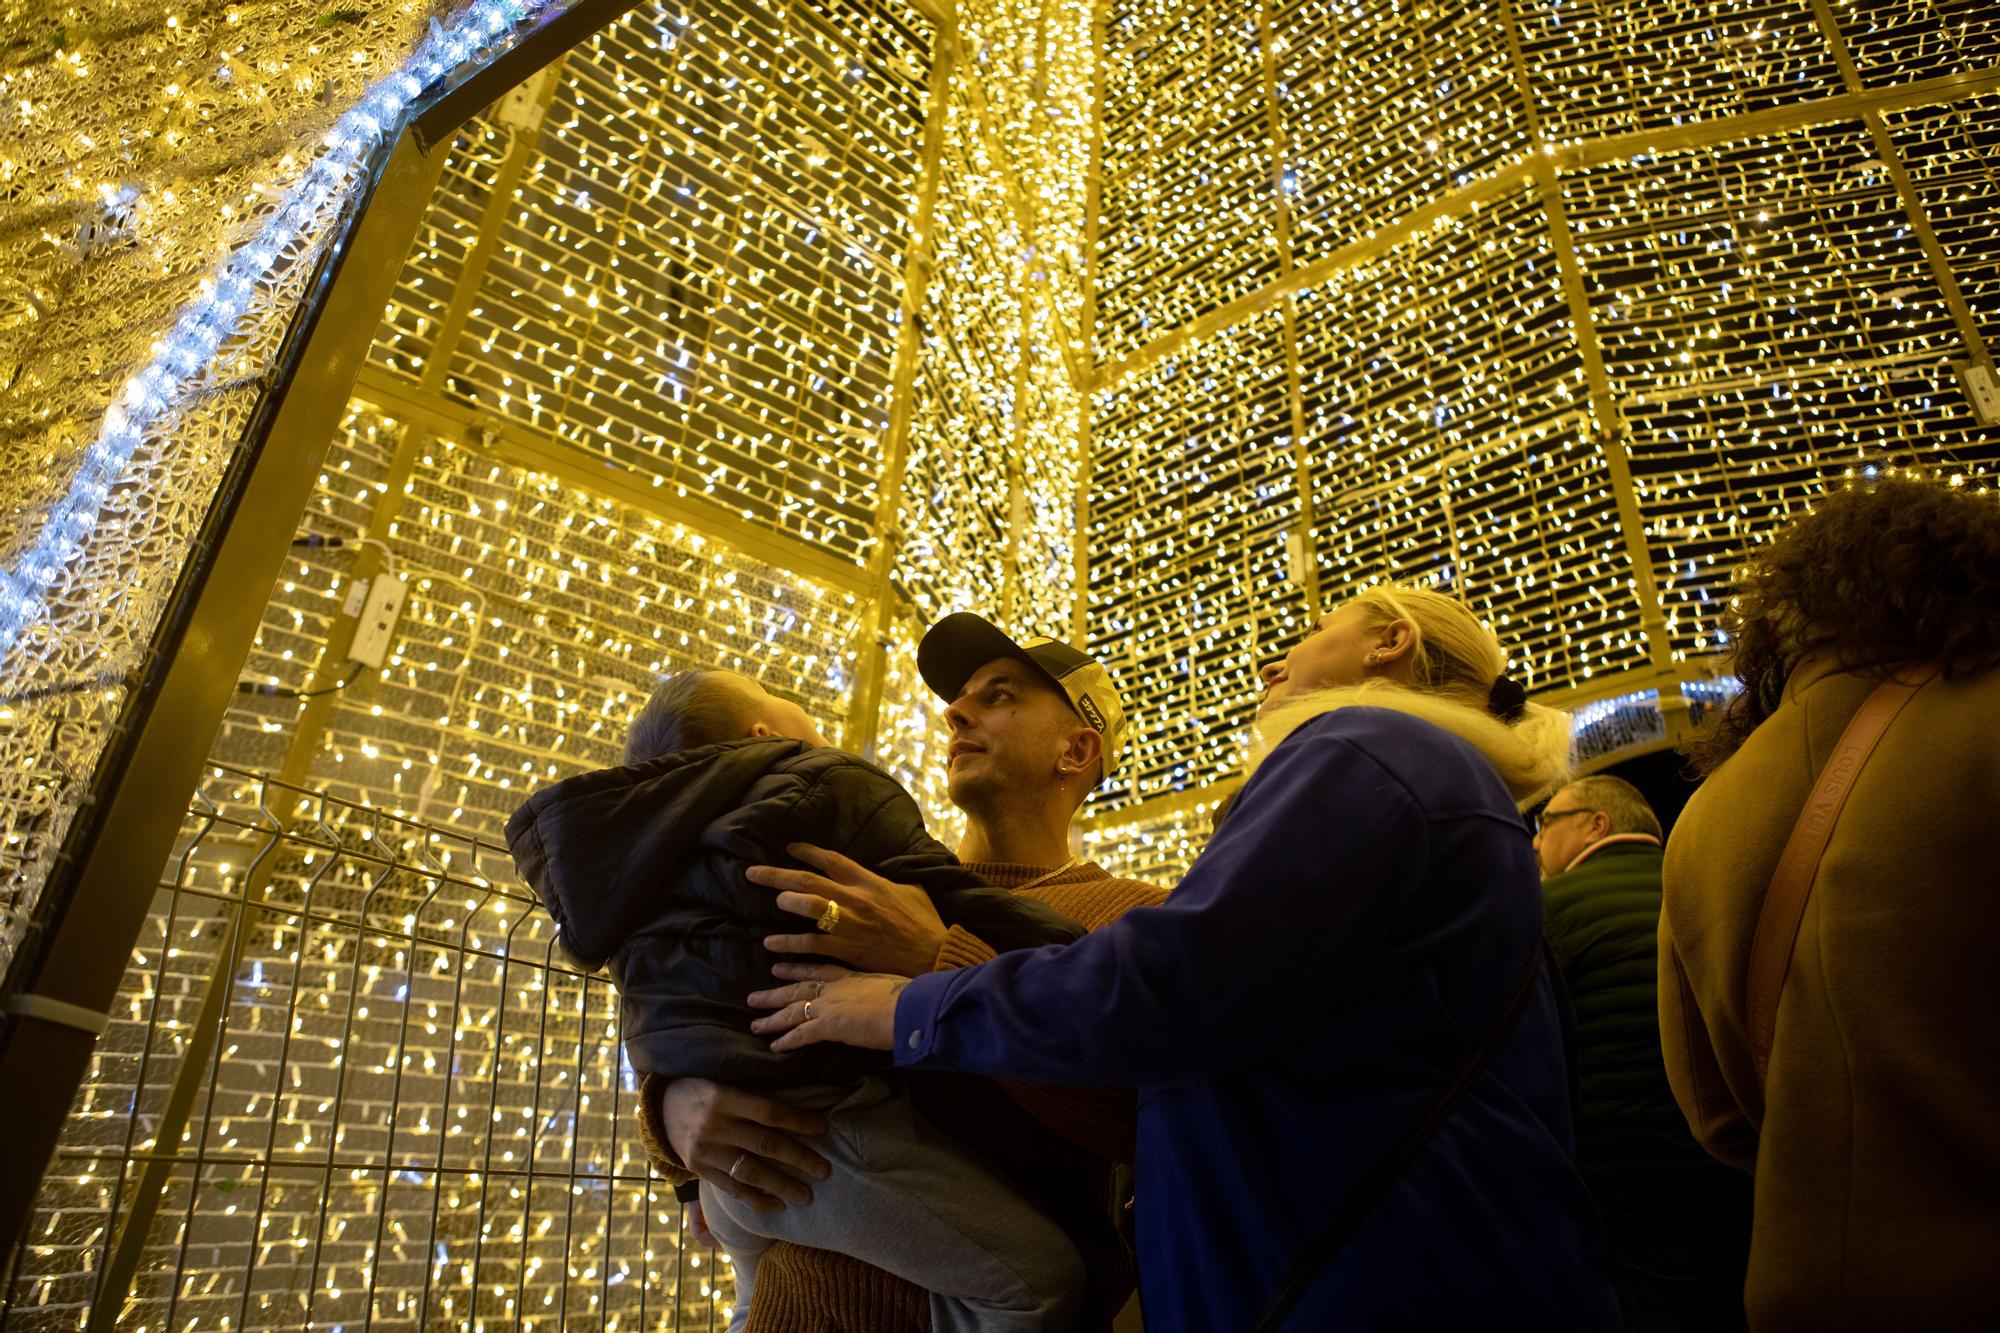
(1766, 316)
(697, 283)
(155, 392)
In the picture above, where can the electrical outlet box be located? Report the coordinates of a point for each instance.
(378, 620)
(1298, 560)
(521, 108)
(1980, 389)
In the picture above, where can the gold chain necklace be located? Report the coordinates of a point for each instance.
(1045, 878)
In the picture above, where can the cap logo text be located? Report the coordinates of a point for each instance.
(1088, 708)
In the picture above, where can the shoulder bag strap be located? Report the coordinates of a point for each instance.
(1791, 884)
(1375, 1187)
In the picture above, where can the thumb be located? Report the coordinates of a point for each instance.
(698, 1225)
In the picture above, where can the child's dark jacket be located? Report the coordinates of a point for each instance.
(642, 868)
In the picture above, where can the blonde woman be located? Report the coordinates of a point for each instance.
(1354, 1107)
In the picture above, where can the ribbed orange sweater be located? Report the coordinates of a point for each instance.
(802, 1290)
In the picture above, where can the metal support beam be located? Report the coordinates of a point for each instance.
(109, 868)
(1306, 569)
(1017, 432)
(515, 445)
(942, 13)
(1163, 806)
(524, 138)
(864, 713)
(1093, 213)
(1607, 419)
(1913, 204)
(445, 113)
(1032, 293)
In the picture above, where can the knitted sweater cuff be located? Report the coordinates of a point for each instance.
(961, 948)
(653, 1131)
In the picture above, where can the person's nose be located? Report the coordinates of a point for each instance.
(955, 718)
(1272, 673)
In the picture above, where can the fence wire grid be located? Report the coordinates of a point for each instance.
(351, 1082)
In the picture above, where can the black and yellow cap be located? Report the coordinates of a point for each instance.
(961, 643)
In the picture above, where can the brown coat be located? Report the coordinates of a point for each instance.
(1877, 1160)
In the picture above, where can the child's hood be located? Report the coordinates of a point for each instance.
(599, 848)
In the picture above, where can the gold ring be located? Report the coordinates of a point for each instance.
(829, 918)
(809, 1011)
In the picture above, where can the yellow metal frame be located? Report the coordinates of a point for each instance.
(1307, 569)
(1093, 211)
(103, 883)
(864, 712)
(1542, 167)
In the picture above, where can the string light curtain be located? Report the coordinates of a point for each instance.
(1557, 307)
(1496, 255)
(679, 308)
(406, 1111)
(171, 178)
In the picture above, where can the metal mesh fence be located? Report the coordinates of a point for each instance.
(350, 1081)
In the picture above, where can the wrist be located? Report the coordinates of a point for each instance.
(924, 958)
(886, 1036)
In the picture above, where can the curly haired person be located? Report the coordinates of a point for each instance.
(1875, 1135)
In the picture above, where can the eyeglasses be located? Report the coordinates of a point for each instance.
(1543, 819)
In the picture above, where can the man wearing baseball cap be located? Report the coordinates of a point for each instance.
(1036, 725)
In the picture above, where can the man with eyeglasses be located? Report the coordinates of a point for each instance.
(1679, 1221)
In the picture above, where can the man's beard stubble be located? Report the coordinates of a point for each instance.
(974, 793)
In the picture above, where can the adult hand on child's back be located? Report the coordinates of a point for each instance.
(745, 1145)
(829, 1004)
(877, 925)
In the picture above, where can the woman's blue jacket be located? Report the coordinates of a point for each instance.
(1356, 927)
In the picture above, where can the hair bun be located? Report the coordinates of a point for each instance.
(1507, 700)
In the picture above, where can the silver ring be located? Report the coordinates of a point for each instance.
(740, 1160)
(819, 988)
(809, 1011)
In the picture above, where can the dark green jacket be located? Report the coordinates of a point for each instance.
(1679, 1221)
